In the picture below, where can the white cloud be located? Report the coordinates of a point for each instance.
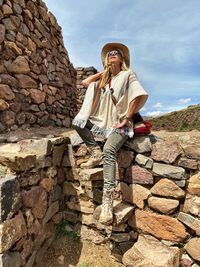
(154, 113)
(183, 101)
(157, 105)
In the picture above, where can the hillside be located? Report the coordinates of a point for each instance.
(183, 120)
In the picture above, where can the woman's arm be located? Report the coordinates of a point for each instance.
(91, 78)
(133, 107)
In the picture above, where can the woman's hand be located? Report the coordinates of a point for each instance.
(124, 123)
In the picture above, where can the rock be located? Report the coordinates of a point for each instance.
(7, 10)
(120, 237)
(125, 158)
(2, 33)
(5, 92)
(11, 231)
(192, 205)
(167, 188)
(148, 252)
(10, 259)
(138, 175)
(3, 105)
(53, 209)
(122, 212)
(37, 96)
(192, 248)
(168, 171)
(15, 159)
(25, 81)
(69, 160)
(163, 205)
(12, 46)
(94, 174)
(144, 161)
(192, 151)
(80, 205)
(10, 200)
(188, 163)
(160, 226)
(194, 184)
(47, 184)
(8, 118)
(140, 144)
(35, 198)
(186, 261)
(137, 195)
(190, 221)
(19, 65)
(165, 151)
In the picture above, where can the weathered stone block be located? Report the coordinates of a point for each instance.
(53, 209)
(91, 174)
(10, 259)
(10, 198)
(125, 158)
(19, 65)
(192, 151)
(165, 151)
(122, 212)
(163, 205)
(5, 92)
(140, 144)
(149, 252)
(11, 231)
(194, 184)
(192, 205)
(138, 175)
(168, 171)
(144, 161)
(160, 226)
(188, 163)
(192, 248)
(190, 221)
(58, 152)
(167, 188)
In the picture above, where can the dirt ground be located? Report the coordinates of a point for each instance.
(67, 252)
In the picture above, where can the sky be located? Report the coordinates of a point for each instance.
(163, 38)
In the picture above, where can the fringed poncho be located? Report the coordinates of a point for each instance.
(126, 88)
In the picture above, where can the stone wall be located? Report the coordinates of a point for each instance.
(37, 80)
(82, 73)
(32, 173)
(157, 201)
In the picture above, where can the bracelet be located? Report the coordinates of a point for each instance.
(127, 118)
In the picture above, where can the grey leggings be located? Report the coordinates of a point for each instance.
(111, 146)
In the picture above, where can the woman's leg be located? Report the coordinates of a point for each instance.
(112, 145)
(94, 149)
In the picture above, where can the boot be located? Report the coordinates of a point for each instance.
(106, 216)
(95, 159)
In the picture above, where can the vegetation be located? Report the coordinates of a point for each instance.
(183, 120)
(62, 229)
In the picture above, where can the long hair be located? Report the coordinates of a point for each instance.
(105, 78)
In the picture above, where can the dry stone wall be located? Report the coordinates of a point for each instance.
(37, 80)
(82, 73)
(32, 173)
(156, 207)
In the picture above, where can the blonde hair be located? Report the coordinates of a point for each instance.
(105, 77)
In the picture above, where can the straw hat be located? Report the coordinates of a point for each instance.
(116, 46)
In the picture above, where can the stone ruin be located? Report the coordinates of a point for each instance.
(37, 80)
(157, 196)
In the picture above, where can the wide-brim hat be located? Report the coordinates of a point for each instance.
(116, 46)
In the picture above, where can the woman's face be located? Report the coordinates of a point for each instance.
(115, 57)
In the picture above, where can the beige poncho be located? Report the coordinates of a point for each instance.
(126, 88)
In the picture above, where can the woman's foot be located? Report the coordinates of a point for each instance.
(95, 159)
(106, 216)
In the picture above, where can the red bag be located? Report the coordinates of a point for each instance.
(141, 127)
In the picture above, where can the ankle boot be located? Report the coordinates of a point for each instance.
(95, 159)
(106, 216)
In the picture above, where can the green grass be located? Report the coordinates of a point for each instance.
(61, 230)
(85, 264)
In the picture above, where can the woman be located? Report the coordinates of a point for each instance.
(112, 98)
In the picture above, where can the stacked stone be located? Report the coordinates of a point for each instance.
(37, 80)
(156, 207)
(82, 73)
(32, 173)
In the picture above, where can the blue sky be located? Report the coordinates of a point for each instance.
(163, 38)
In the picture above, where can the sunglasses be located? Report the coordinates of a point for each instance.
(113, 53)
